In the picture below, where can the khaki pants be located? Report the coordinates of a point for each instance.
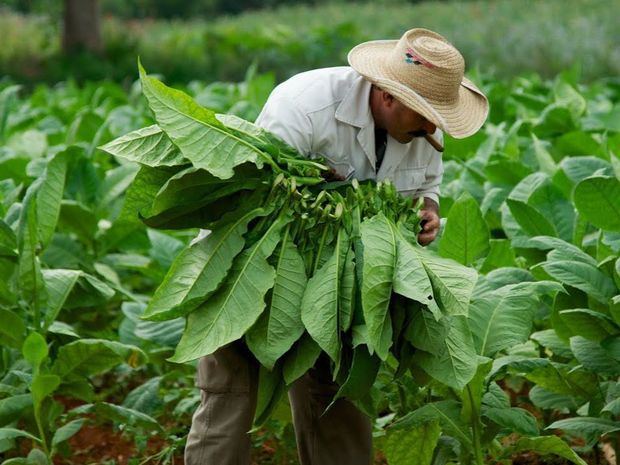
(228, 383)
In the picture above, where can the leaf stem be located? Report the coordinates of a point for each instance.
(475, 424)
(37, 417)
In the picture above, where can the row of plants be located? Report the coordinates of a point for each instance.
(78, 269)
(531, 205)
(501, 37)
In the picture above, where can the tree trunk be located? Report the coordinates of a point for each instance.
(82, 26)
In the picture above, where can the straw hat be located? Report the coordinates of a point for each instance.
(424, 72)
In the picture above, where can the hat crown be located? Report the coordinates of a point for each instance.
(427, 63)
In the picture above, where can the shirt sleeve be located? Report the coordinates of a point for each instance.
(284, 118)
(434, 175)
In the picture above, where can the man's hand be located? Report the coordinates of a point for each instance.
(429, 215)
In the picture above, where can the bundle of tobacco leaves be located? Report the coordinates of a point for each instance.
(292, 265)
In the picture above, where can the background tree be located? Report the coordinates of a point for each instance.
(81, 26)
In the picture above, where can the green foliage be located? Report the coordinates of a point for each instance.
(546, 38)
(533, 312)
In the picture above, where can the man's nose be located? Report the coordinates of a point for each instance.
(429, 127)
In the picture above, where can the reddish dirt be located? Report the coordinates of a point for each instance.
(96, 444)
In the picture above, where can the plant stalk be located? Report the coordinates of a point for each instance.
(475, 425)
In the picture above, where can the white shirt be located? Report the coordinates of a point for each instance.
(327, 112)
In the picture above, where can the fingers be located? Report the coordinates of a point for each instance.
(425, 238)
(430, 227)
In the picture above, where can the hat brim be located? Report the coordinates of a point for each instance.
(460, 118)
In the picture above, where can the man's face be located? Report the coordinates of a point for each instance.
(403, 124)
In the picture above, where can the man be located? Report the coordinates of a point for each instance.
(378, 119)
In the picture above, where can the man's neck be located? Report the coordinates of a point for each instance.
(375, 105)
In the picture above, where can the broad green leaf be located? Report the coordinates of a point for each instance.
(544, 399)
(35, 349)
(31, 285)
(554, 119)
(79, 219)
(413, 445)
(115, 183)
(42, 386)
(593, 357)
(120, 414)
(89, 291)
(280, 326)
(556, 208)
(452, 282)
(145, 398)
(59, 284)
(560, 249)
(426, 333)
(362, 375)
(589, 428)
(12, 330)
(546, 164)
(466, 235)
(235, 307)
(446, 412)
(568, 96)
(319, 306)
(613, 407)
(598, 200)
(589, 324)
(511, 227)
(8, 240)
(582, 276)
(545, 445)
(378, 272)
(514, 419)
(138, 197)
(233, 121)
(300, 358)
(495, 397)
(162, 333)
(12, 433)
(270, 389)
(30, 143)
(11, 408)
(531, 220)
(201, 138)
(501, 319)
(493, 199)
(579, 168)
(473, 393)
(410, 277)
(149, 146)
(550, 340)
(456, 363)
(59, 327)
(87, 357)
(499, 278)
(578, 143)
(501, 254)
(193, 189)
(200, 268)
(164, 247)
(524, 189)
(557, 377)
(347, 291)
(612, 347)
(50, 195)
(67, 431)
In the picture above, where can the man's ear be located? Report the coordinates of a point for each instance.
(387, 98)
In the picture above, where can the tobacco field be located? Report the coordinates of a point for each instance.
(497, 344)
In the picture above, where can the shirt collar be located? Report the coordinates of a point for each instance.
(354, 109)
